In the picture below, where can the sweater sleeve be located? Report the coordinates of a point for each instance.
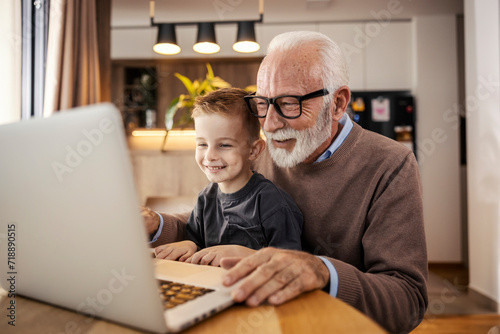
(173, 230)
(392, 287)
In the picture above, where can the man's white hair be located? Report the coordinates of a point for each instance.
(333, 64)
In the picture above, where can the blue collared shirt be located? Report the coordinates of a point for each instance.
(346, 129)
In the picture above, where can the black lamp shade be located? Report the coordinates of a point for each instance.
(205, 42)
(166, 42)
(245, 41)
(206, 33)
(166, 34)
(246, 32)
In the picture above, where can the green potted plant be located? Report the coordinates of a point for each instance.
(183, 104)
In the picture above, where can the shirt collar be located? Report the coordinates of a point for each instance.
(346, 122)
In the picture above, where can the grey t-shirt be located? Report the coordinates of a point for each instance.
(258, 215)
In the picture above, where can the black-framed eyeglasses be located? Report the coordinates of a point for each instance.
(287, 106)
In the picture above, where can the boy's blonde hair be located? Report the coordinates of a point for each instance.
(229, 102)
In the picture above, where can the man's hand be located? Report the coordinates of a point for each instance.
(275, 275)
(180, 251)
(213, 255)
(151, 220)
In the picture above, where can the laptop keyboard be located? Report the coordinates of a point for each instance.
(174, 294)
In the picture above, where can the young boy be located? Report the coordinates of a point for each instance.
(239, 211)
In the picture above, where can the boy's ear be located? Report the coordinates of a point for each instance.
(256, 149)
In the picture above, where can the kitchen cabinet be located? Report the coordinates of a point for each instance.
(168, 174)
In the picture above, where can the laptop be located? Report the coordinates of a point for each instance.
(71, 233)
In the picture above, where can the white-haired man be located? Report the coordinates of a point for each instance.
(359, 192)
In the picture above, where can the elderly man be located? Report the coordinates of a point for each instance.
(359, 192)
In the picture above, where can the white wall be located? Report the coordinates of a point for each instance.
(436, 91)
(482, 44)
(10, 61)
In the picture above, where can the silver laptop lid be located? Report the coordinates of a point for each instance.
(71, 233)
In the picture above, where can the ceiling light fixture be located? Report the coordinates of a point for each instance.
(245, 41)
(166, 43)
(205, 42)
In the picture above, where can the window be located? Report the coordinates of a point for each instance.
(35, 24)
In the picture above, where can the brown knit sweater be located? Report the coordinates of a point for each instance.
(362, 210)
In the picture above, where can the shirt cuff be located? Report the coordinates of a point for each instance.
(334, 277)
(160, 228)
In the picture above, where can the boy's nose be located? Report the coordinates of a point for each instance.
(211, 154)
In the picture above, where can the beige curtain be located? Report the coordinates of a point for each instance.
(74, 71)
(10, 61)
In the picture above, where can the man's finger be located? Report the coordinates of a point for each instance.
(229, 262)
(266, 280)
(260, 270)
(246, 266)
(291, 281)
(289, 292)
(304, 274)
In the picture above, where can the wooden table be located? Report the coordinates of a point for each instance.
(314, 312)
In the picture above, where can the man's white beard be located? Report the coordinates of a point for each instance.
(307, 141)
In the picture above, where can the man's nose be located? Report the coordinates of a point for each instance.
(273, 121)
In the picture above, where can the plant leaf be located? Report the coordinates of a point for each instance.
(217, 82)
(210, 72)
(184, 103)
(169, 115)
(251, 88)
(196, 89)
(187, 83)
(204, 87)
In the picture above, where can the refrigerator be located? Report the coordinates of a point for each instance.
(390, 113)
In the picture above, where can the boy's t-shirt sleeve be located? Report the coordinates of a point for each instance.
(194, 227)
(283, 229)
(281, 219)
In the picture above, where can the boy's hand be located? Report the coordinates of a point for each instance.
(213, 255)
(180, 251)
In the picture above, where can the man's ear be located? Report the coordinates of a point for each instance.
(341, 100)
(256, 149)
